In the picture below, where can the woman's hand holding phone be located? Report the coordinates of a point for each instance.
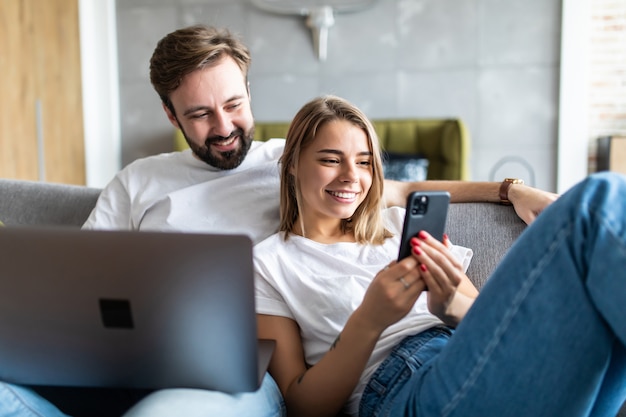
(391, 294)
(442, 272)
(425, 211)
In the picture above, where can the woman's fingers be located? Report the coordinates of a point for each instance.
(402, 276)
(438, 251)
(439, 268)
(393, 292)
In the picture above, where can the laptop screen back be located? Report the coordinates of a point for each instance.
(127, 309)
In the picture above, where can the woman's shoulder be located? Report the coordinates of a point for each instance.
(271, 245)
(394, 218)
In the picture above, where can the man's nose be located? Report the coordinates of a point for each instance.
(222, 124)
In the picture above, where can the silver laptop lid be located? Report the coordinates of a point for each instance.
(128, 309)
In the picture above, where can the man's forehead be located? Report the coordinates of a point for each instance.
(211, 86)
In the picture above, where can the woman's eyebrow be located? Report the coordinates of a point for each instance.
(338, 152)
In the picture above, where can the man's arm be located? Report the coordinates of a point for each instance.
(528, 201)
(112, 210)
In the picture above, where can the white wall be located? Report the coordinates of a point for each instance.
(98, 49)
(494, 63)
(572, 155)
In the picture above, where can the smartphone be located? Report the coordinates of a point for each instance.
(425, 210)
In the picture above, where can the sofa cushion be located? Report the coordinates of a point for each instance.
(488, 229)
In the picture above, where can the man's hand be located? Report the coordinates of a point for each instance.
(529, 202)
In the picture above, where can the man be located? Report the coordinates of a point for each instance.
(225, 182)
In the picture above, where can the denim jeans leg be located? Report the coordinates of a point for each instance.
(409, 357)
(613, 385)
(17, 401)
(541, 336)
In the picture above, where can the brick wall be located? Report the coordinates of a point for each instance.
(607, 73)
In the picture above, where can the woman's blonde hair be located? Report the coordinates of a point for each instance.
(366, 223)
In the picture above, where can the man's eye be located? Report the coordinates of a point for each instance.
(199, 115)
(330, 161)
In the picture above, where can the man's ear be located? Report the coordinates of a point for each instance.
(248, 89)
(170, 116)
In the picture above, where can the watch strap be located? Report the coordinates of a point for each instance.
(504, 189)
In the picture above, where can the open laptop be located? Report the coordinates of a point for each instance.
(128, 310)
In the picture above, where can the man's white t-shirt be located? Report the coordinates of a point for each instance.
(320, 285)
(177, 191)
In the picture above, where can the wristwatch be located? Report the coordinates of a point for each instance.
(504, 189)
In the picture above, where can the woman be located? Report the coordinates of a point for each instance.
(356, 329)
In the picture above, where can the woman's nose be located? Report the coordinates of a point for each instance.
(349, 174)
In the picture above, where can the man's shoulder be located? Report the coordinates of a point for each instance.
(155, 166)
(167, 158)
(272, 148)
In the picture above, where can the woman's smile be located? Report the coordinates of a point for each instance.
(344, 196)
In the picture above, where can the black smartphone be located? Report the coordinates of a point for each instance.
(425, 210)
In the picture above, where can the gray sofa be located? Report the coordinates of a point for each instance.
(489, 229)
(49, 204)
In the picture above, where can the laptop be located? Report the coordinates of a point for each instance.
(129, 309)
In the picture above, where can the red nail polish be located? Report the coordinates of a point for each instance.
(423, 267)
(417, 250)
(422, 235)
(414, 241)
(445, 236)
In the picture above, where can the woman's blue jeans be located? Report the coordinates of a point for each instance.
(545, 337)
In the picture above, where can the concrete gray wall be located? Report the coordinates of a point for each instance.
(494, 63)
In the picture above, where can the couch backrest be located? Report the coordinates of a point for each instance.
(444, 142)
(45, 204)
(488, 228)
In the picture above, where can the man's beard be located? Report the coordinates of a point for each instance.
(223, 160)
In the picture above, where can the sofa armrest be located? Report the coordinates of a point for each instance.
(45, 204)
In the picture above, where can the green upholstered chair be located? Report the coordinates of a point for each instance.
(444, 142)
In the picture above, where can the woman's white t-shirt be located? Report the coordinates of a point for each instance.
(320, 285)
